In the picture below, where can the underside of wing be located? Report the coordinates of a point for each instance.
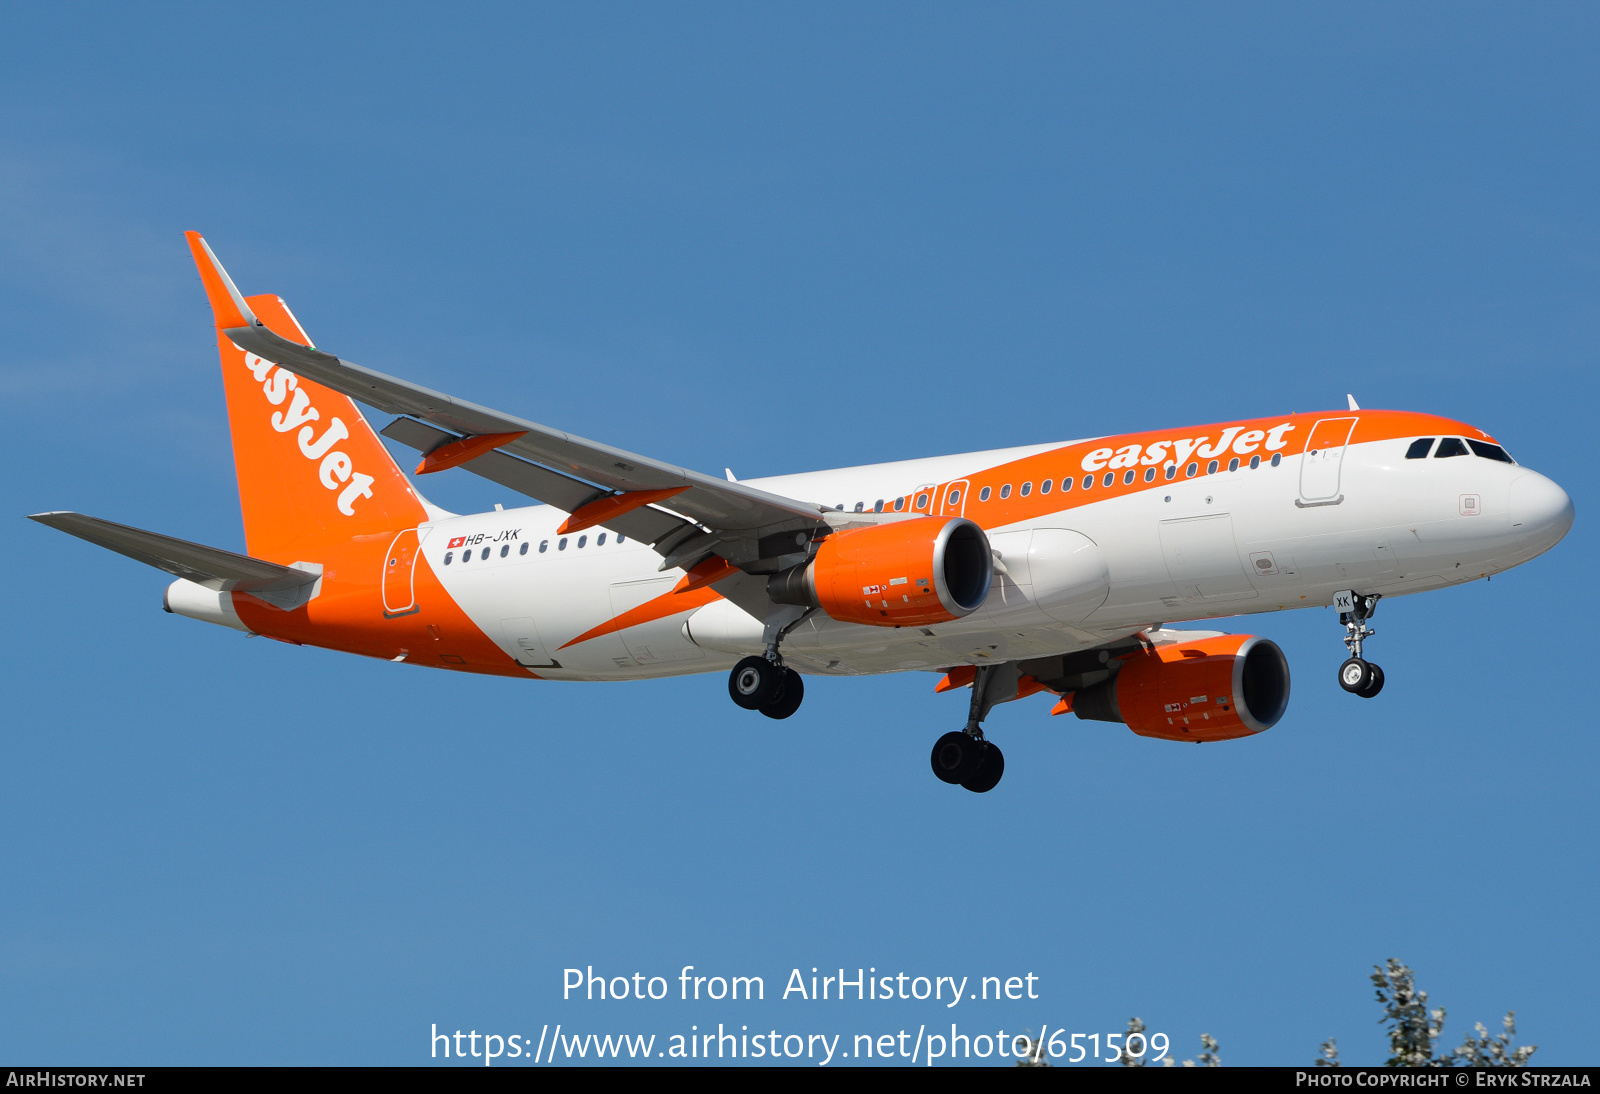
(209, 566)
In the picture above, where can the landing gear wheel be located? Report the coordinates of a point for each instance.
(1355, 676)
(756, 682)
(957, 757)
(1376, 684)
(988, 776)
(789, 696)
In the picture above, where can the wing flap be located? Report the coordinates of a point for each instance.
(566, 493)
(726, 506)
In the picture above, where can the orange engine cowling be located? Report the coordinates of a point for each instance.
(1211, 689)
(906, 573)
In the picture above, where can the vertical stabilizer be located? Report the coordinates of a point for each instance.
(311, 472)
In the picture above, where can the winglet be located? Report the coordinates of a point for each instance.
(1352, 399)
(226, 303)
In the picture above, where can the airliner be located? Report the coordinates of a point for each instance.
(1010, 573)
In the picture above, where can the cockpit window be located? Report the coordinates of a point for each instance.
(1491, 451)
(1419, 448)
(1450, 446)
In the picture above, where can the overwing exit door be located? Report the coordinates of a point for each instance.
(954, 502)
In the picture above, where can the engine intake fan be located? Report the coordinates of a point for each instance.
(907, 573)
(1211, 689)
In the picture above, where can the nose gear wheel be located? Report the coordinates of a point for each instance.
(1357, 675)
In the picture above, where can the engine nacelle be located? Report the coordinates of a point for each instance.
(906, 573)
(1211, 689)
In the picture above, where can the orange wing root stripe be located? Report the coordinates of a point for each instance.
(598, 512)
(459, 452)
(709, 572)
(666, 604)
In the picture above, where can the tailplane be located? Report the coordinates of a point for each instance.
(311, 471)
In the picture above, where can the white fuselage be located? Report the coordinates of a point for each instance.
(1223, 544)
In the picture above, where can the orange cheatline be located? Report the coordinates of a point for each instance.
(958, 677)
(667, 604)
(709, 572)
(598, 512)
(467, 448)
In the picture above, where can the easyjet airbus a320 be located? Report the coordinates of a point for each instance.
(1012, 572)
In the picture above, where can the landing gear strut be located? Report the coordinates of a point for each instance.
(765, 683)
(1357, 675)
(964, 757)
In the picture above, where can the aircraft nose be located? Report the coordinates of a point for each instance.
(1540, 509)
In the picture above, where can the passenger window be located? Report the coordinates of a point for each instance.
(922, 501)
(1088, 481)
(485, 554)
(1044, 487)
(1005, 491)
(1149, 474)
(523, 549)
(544, 545)
(466, 557)
(505, 550)
(1419, 448)
(1172, 471)
(1027, 488)
(561, 544)
(448, 555)
(1450, 446)
(1066, 484)
(1211, 468)
(1277, 458)
(1255, 462)
(860, 505)
(1111, 477)
(983, 495)
(621, 538)
(600, 540)
(1127, 476)
(1191, 471)
(1491, 451)
(878, 506)
(1233, 464)
(955, 496)
(899, 504)
(583, 541)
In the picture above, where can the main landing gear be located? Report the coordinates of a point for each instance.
(771, 687)
(765, 683)
(963, 757)
(1356, 675)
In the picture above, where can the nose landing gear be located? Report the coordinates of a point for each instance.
(963, 757)
(1357, 675)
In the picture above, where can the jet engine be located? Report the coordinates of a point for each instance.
(1210, 689)
(906, 573)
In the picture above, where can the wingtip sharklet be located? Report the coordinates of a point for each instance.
(227, 304)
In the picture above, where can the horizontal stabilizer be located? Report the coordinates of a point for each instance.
(284, 586)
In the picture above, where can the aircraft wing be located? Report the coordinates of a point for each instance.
(735, 516)
(209, 566)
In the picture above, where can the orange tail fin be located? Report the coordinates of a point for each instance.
(311, 471)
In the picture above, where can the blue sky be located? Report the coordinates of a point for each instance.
(778, 239)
